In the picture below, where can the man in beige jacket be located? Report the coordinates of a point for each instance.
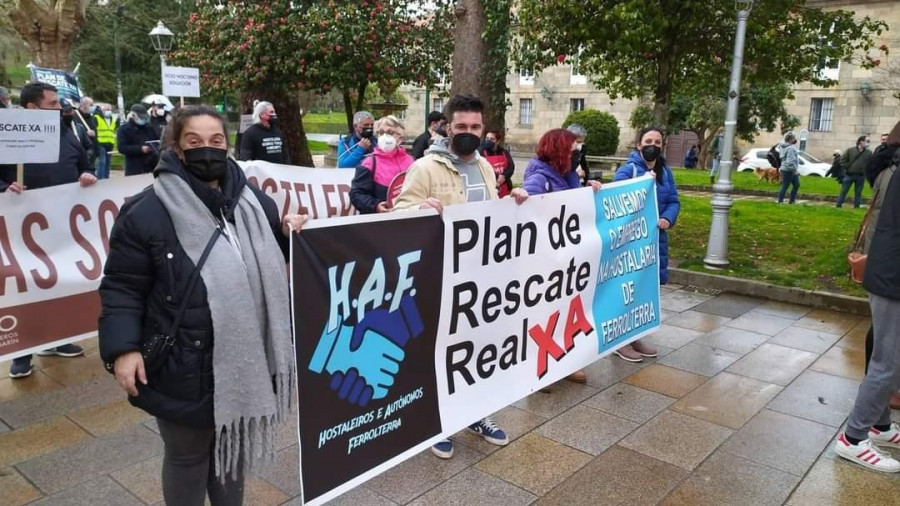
(451, 172)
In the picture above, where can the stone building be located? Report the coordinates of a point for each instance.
(862, 102)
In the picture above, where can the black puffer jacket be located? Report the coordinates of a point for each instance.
(130, 139)
(881, 160)
(146, 275)
(882, 268)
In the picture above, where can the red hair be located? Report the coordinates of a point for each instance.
(555, 149)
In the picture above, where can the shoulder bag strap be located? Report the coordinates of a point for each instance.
(192, 283)
(861, 232)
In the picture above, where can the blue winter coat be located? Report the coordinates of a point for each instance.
(350, 154)
(666, 198)
(541, 178)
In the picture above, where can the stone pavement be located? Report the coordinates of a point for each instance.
(740, 409)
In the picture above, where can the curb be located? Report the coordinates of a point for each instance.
(811, 298)
(763, 193)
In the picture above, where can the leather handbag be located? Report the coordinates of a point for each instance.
(856, 258)
(156, 349)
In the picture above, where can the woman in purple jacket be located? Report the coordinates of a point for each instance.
(551, 171)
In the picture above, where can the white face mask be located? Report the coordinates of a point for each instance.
(578, 146)
(387, 142)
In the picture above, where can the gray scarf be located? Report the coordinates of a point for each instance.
(249, 300)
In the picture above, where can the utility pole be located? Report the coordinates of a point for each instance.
(717, 248)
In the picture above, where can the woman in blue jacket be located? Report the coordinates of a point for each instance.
(648, 158)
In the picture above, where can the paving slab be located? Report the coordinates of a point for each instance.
(87, 460)
(285, 474)
(38, 439)
(729, 305)
(359, 496)
(38, 382)
(143, 480)
(699, 359)
(563, 396)
(681, 301)
(422, 473)
(587, 429)
(15, 489)
(608, 370)
(834, 482)
(666, 380)
(780, 441)
(33, 408)
(534, 463)
(514, 421)
(828, 321)
(773, 364)
(783, 310)
(475, 487)
(618, 477)
(728, 480)
(108, 418)
(818, 397)
(671, 336)
(102, 490)
(728, 400)
(732, 340)
(678, 439)
(845, 362)
(695, 320)
(800, 338)
(761, 323)
(630, 402)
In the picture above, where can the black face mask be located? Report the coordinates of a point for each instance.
(465, 144)
(488, 145)
(651, 152)
(367, 133)
(206, 164)
(273, 121)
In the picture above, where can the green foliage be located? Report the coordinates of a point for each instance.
(641, 117)
(602, 129)
(497, 31)
(95, 47)
(317, 46)
(665, 48)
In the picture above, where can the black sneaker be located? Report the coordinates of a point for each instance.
(20, 368)
(66, 350)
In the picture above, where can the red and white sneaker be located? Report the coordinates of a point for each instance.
(866, 454)
(889, 438)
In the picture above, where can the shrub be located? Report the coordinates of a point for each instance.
(602, 129)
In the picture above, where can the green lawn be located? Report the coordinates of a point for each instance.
(809, 185)
(334, 117)
(18, 75)
(798, 246)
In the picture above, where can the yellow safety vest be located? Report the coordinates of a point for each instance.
(106, 130)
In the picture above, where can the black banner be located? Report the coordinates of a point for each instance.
(365, 353)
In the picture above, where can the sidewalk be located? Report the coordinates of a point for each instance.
(740, 409)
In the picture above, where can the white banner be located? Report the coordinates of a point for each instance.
(29, 136)
(181, 82)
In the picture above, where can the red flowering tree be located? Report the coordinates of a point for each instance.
(275, 49)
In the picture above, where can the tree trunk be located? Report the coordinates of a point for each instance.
(49, 31)
(473, 65)
(290, 122)
(663, 93)
(348, 108)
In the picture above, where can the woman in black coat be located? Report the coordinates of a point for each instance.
(209, 383)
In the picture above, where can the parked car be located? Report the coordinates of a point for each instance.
(809, 165)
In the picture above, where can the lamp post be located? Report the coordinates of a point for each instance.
(717, 248)
(162, 39)
(120, 99)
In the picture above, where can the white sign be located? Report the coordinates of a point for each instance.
(29, 136)
(181, 82)
(246, 122)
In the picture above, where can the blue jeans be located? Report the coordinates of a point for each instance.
(104, 159)
(792, 179)
(852, 179)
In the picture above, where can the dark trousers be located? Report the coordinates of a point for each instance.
(857, 180)
(189, 473)
(792, 179)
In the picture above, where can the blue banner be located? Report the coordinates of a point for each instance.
(66, 83)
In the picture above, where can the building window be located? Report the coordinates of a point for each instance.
(526, 77)
(576, 104)
(829, 68)
(437, 104)
(526, 108)
(821, 114)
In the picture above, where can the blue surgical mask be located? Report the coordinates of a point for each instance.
(140, 122)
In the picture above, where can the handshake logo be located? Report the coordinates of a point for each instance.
(363, 360)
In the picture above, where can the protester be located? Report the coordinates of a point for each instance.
(551, 170)
(81, 132)
(494, 150)
(837, 170)
(436, 122)
(86, 109)
(450, 173)
(106, 139)
(369, 190)
(790, 162)
(879, 171)
(359, 143)
(883, 145)
(579, 156)
(159, 118)
(854, 162)
(716, 154)
(138, 142)
(869, 428)
(5, 102)
(647, 157)
(263, 140)
(72, 167)
(228, 378)
(690, 158)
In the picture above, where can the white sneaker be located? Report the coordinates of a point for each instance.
(866, 454)
(889, 438)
